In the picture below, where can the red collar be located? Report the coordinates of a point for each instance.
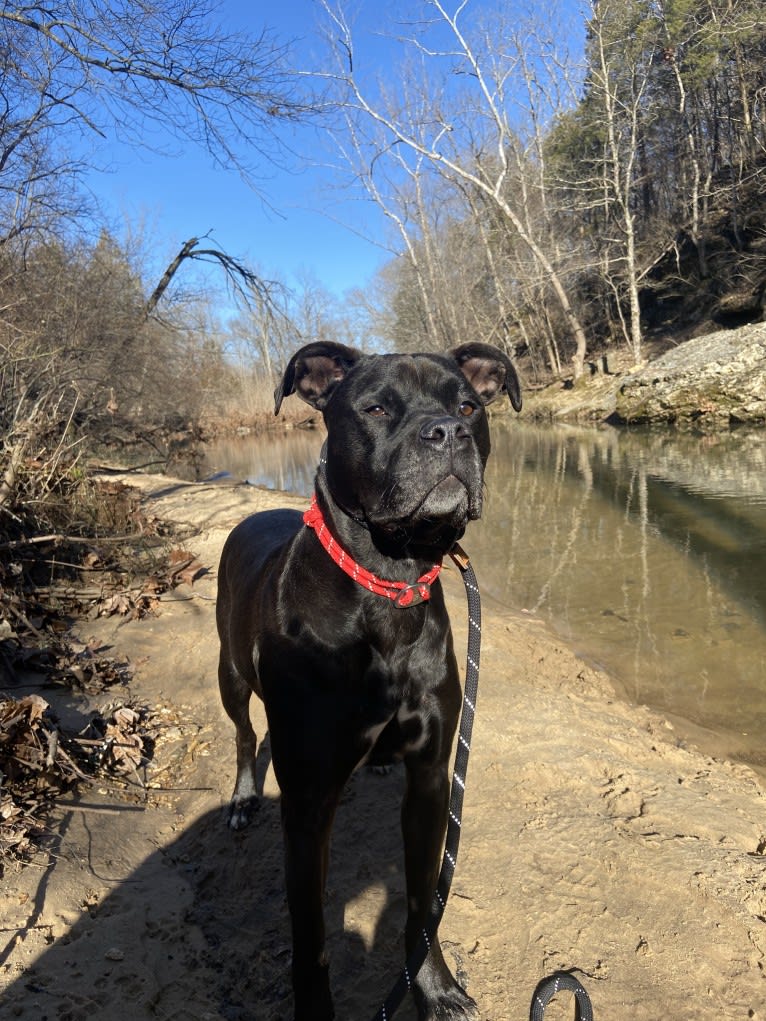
(401, 593)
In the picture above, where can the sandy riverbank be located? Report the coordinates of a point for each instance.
(592, 839)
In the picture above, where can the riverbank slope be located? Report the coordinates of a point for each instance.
(592, 839)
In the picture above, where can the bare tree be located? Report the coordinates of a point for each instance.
(623, 49)
(395, 193)
(461, 126)
(127, 67)
(80, 338)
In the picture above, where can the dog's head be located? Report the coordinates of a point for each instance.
(407, 435)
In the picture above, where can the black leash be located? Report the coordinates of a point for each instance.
(548, 988)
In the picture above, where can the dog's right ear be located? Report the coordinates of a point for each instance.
(314, 372)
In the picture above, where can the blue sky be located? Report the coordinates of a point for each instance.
(306, 222)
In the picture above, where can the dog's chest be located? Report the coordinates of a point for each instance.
(402, 702)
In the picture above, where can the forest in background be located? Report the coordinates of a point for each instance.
(556, 205)
(562, 207)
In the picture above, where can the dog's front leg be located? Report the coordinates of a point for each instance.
(306, 823)
(424, 821)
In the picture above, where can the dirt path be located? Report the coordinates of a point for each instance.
(592, 839)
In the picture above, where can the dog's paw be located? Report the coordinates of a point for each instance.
(381, 768)
(452, 1005)
(241, 811)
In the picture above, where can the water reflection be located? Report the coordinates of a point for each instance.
(645, 550)
(279, 460)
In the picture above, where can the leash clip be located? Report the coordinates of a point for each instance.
(460, 557)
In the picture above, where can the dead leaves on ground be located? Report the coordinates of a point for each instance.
(87, 667)
(35, 620)
(93, 584)
(66, 662)
(120, 749)
(136, 601)
(39, 762)
(48, 580)
(113, 558)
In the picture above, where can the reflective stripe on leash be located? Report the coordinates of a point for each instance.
(548, 988)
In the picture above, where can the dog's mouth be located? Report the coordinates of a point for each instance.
(450, 503)
(448, 499)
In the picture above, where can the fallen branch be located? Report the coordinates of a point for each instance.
(59, 537)
(22, 617)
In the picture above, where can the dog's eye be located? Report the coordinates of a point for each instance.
(376, 411)
(466, 409)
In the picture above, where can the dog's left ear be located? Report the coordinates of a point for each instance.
(314, 372)
(489, 371)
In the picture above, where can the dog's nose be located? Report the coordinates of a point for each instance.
(444, 431)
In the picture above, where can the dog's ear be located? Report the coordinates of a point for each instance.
(489, 371)
(314, 372)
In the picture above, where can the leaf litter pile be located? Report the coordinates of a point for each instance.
(40, 761)
(47, 583)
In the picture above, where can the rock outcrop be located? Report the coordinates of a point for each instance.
(711, 380)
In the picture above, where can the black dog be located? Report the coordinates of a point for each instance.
(357, 655)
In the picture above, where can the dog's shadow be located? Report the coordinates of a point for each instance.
(200, 929)
(365, 903)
